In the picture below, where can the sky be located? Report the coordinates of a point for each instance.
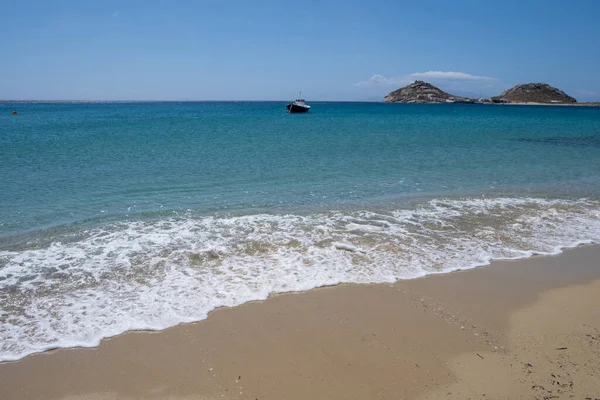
(351, 50)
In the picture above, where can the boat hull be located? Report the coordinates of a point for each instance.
(295, 108)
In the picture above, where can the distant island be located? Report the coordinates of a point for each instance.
(534, 93)
(420, 92)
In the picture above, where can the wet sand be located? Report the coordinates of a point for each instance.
(516, 329)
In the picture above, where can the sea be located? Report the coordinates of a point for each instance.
(144, 215)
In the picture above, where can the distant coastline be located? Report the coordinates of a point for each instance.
(421, 92)
(578, 104)
(585, 104)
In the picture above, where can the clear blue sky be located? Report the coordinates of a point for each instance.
(332, 50)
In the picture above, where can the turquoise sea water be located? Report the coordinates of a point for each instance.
(118, 216)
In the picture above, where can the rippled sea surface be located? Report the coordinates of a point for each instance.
(119, 216)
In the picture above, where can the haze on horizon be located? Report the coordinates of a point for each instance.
(269, 50)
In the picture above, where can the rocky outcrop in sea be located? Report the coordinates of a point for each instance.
(423, 92)
(534, 93)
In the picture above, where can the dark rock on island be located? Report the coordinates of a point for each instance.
(534, 93)
(423, 92)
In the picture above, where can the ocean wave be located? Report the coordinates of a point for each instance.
(135, 275)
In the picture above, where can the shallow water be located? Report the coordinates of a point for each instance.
(118, 216)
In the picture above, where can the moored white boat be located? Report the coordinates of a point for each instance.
(298, 106)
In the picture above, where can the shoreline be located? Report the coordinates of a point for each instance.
(590, 104)
(282, 346)
(558, 250)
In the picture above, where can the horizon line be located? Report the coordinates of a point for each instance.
(177, 101)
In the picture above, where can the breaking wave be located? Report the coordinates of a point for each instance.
(133, 275)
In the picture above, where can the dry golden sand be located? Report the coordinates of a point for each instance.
(526, 329)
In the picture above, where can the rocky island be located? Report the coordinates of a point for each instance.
(422, 92)
(534, 93)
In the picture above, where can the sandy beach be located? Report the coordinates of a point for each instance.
(516, 329)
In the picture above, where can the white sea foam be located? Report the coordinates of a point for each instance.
(155, 274)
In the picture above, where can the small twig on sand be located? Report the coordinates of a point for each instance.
(479, 355)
